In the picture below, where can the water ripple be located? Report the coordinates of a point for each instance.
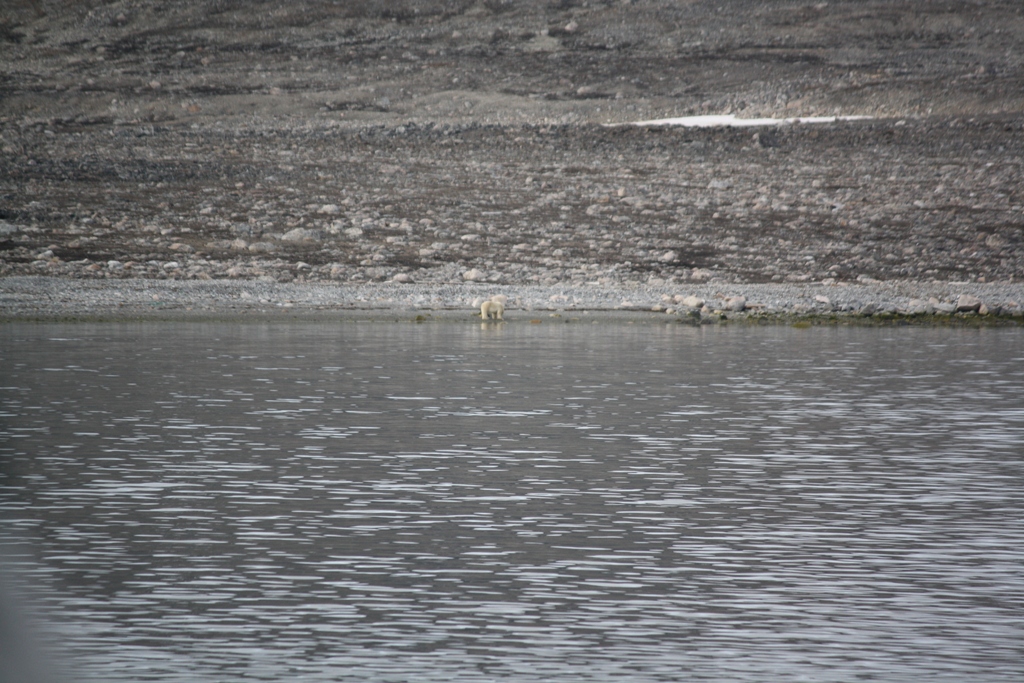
(437, 503)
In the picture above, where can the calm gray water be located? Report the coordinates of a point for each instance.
(457, 503)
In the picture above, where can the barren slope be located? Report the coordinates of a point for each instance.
(365, 140)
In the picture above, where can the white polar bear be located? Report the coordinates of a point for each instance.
(492, 309)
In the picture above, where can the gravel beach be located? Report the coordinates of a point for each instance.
(228, 156)
(38, 298)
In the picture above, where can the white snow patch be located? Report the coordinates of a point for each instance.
(731, 120)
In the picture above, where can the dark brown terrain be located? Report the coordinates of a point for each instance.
(442, 141)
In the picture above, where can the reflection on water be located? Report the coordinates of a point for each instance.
(374, 502)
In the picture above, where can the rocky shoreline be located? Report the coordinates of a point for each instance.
(56, 299)
(488, 144)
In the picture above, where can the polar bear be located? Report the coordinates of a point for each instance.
(492, 309)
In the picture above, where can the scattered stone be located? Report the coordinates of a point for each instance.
(995, 241)
(942, 307)
(869, 309)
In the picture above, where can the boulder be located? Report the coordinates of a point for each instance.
(300, 235)
(692, 301)
(968, 304)
(920, 307)
(735, 303)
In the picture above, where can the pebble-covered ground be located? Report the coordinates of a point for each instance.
(891, 200)
(453, 144)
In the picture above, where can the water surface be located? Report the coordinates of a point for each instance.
(446, 502)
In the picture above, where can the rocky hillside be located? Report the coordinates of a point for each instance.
(448, 140)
